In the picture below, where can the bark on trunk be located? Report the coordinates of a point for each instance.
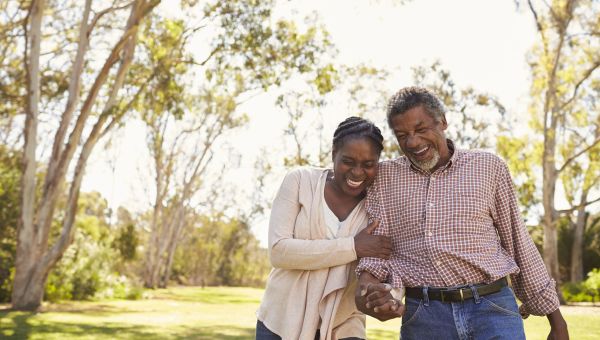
(577, 249)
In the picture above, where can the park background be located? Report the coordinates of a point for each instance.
(142, 142)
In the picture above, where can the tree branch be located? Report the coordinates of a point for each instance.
(579, 153)
(585, 76)
(581, 205)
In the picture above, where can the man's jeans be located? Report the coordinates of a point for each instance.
(494, 316)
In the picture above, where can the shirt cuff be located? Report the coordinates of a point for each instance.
(544, 303)
(375, 267)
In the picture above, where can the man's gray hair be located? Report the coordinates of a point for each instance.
(410, 97)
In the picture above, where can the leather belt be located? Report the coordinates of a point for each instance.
(457, 294)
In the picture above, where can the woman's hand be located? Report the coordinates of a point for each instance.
(368, 245)
(374, 298)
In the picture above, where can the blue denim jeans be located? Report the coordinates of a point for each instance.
(263, 333)
(493, 316)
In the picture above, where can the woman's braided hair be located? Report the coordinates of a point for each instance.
(354, 127)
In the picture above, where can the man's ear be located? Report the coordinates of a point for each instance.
(444, 123)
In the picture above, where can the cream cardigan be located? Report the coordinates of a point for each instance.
(313, 277)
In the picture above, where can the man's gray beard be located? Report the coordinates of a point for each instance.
(428, 164)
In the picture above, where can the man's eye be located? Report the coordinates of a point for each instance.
(421, 131)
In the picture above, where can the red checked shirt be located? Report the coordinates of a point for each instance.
(459, 225)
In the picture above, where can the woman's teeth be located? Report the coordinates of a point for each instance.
(353, 184)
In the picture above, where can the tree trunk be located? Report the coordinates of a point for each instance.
(174, 241)
(28, 251)
(577, 249)
(30, 293)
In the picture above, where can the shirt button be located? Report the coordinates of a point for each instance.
(430, 233)
(430, 205)
(438, 263)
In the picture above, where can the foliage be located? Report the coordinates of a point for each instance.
(220, 251)
(126, 242)
(586, 291)
(9, 217)
(89, 268)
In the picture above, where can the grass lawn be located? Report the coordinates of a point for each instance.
(210, 313)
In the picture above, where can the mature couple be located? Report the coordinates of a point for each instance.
(444, 228)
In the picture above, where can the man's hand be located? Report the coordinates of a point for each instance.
(558, 326)
(373, 298)
(368, 245)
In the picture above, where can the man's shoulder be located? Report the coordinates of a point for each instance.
(479, 156)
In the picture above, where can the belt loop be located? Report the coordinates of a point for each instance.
(425, 296)
(475, 294)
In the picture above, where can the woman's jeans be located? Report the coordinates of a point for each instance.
(493, 316)
(263, 333)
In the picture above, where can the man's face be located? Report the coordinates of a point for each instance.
(421, 138)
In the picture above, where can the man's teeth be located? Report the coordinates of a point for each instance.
(353, 184)
(421, 151)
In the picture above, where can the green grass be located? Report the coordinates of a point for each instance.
(210, 313)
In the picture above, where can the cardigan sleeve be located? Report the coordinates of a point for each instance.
(287, 252)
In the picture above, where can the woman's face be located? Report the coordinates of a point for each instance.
(355, 165)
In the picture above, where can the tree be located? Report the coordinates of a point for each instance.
(76, 134)
(564, 90)
(190, 102)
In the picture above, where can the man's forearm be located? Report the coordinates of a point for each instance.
(558, 326)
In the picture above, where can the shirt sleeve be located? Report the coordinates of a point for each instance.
(532, 284)
(376, 266)
(285, 251)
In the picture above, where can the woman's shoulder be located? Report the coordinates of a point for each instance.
(307, 172)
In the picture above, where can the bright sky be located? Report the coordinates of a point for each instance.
(483, 43)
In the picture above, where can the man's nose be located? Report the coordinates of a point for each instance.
(412, 141)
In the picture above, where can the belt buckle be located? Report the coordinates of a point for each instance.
(462, 297)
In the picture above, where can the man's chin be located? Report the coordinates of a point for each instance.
(426, 165)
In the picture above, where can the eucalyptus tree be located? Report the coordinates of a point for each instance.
(76, 55)
(565, 86)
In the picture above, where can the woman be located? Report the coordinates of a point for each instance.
(318, 229)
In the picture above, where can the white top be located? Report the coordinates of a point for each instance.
(332, 221)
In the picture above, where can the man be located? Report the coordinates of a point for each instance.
(459, 240)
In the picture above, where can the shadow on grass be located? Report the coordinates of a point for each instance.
(18, 325)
